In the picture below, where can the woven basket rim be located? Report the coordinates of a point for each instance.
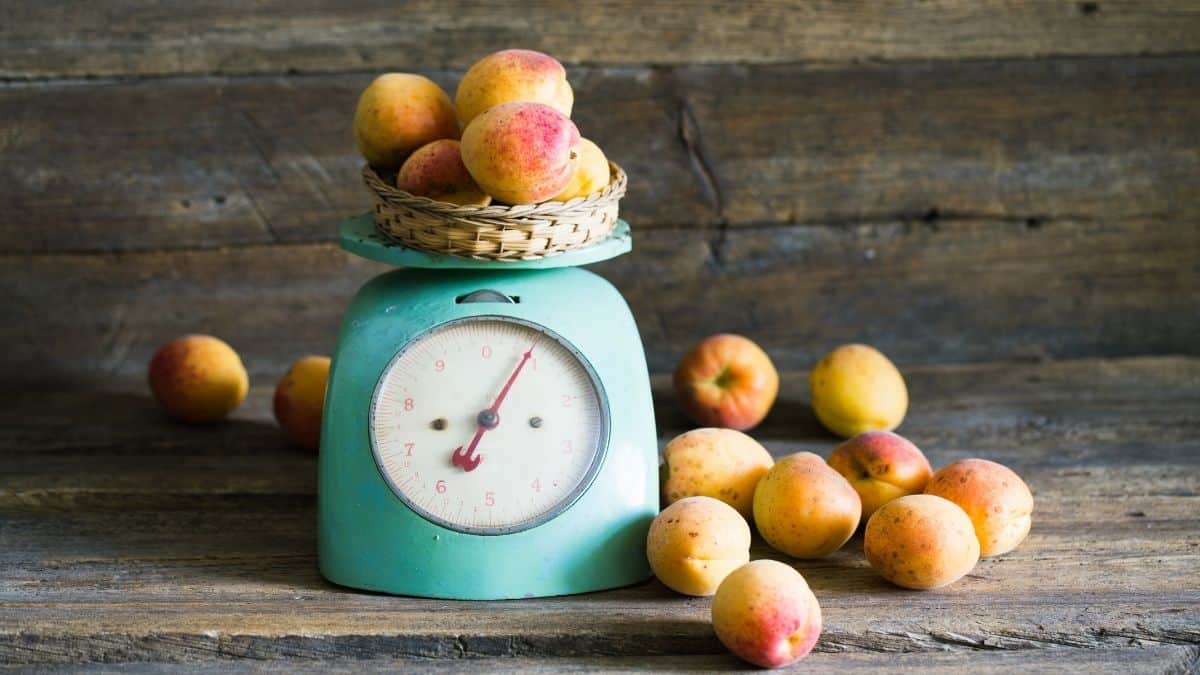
(388, 191)
(495, 232)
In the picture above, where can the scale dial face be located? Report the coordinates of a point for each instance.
(489, 425)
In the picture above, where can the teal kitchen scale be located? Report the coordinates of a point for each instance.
(488, 428)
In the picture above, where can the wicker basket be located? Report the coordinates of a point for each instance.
(523, 232)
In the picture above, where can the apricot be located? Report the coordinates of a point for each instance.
(721, 463)
(881, 466)
(855, 388)
(513, 75)
(521, 153)
(695, 542)
(300, 400)
(436, 170)
(592, 175)
(398, 113)
(765, 613)
(726, 381)
(804, 508)
(198, 378)
(921, 542)
(995, 498)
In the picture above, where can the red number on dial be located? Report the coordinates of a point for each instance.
(439, 365)
(486, 351)
(408, 447)
(489, 499)
(408, 404)
(536, 485)
(440, 486)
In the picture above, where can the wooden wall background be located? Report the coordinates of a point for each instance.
(950, 181)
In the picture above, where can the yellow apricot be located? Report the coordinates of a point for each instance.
(300, 400)
(695, 542)
(513, 75)
(721, 463)
(921, 542)
(398, 113)
(855, 388)
(198, 378)
(592, 175)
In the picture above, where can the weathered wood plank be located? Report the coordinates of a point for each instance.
(103, 451)
(214, 597)
(1148, 659)
(960, 291)
(1022, 140)
(301, 628)
(267, 553)
(211, 162)
(207, 162)
(1108, 447)
(975, 290)
(81, 39)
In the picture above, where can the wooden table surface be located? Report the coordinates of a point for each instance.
(134, 542)
(1008, 184)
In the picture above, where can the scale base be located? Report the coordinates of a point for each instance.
(369, 539)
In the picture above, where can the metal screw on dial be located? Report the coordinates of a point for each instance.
(488, 419)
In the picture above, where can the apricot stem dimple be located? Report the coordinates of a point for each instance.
(724, 378)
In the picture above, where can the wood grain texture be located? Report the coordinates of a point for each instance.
(191, 163)
(1021, 140)
(129, 574)
(923, 293)
(209, 162)
(1158, 659)
(1143, 407)
(125, 38)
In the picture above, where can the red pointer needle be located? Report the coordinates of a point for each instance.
(468, 460)
(489, 418)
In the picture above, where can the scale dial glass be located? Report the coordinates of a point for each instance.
(489, 425)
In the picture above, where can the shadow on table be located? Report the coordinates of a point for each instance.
(790, 418)
(109, 477)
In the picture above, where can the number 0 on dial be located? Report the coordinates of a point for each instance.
(489, 425)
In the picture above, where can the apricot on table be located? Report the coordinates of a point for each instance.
(436, 170)
(299, 401)
(398, 113)
(881, 466)
(921, 542)
(765, 613)
(721, 463)
(804, 508)
(726, 381)
(198, 378)
(513, 75)
(855, 388)
(695, 542)
(995, 498)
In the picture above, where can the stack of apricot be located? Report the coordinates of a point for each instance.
(923, 529)
(507, 137)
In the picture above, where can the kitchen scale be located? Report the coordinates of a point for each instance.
(488, 429)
